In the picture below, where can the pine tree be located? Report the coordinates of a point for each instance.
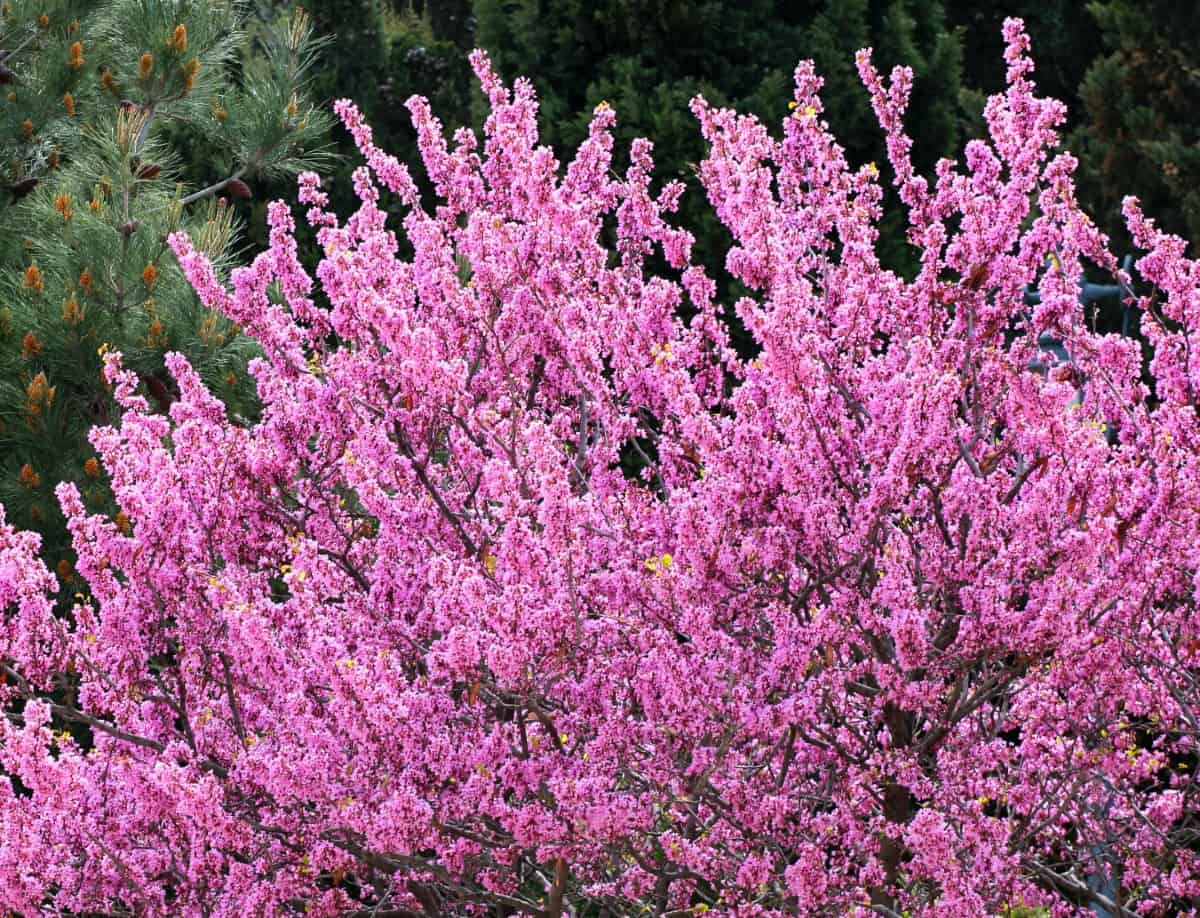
(103, 105)
(1142, 132)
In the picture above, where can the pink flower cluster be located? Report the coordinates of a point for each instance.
(529, 596)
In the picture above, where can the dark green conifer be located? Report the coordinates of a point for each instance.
(101, 105)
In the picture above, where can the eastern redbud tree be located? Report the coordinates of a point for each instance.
(529, 596)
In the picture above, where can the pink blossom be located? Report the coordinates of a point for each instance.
(529, 593)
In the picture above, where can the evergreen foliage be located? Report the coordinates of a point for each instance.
(1142, 132)
(105, 106)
